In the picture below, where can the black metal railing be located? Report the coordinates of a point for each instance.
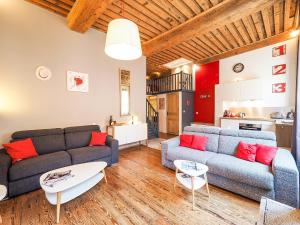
(170, 83)
(152, 121)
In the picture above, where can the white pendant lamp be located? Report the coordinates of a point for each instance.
(123, 40)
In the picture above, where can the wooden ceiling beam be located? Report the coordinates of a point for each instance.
(84, 14)
(260, 44)
(216, 16)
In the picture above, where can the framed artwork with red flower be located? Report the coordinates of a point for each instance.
(77, 81)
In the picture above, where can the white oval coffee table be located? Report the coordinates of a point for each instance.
(83, 177)
(192, 175)
(3, 192)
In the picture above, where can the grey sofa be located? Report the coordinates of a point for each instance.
(251, 179)
(56, 148)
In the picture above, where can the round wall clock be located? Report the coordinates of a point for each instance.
(239, 67)
(43, 73)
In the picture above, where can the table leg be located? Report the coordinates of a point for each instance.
(103, 171)
(175, 178)
(193, 191)
(207, 188)
(58, 200)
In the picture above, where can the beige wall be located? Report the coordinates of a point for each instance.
(30, 37)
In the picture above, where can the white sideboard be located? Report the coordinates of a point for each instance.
(129, 133)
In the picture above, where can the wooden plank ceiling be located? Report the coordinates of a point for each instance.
(198, 30)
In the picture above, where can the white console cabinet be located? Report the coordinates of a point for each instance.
(129, 133)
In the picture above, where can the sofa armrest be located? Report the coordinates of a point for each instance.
(5, 163)
(114, 145)
(286, 178)
(167, 145)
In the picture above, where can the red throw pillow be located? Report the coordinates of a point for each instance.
(265, 154)
(98, 138)
(19, 150)
(186, 140)
(246, 151)
(199, 142)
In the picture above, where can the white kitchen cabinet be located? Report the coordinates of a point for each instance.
(129, 133)
(250, 89)
(227, 92)
(266, 125)
(240, 91)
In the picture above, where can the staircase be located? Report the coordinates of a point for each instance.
(152, 121)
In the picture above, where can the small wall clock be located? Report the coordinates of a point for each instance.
(239, 67)
(43, 73)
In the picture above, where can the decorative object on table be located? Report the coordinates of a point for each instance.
(123, 39)
(279, 69)
(77, 81)
(275, 213)
(279, 88)
(239, 67)
(86, 176)
(125, 92)
(43, 73)
(192, 175)
(242, 115)
(52, 178)
(161, 103)
(279, 50)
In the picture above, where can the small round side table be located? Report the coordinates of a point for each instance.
(3, 192)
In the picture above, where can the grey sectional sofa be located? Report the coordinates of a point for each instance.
(56, 148)
(251, 179)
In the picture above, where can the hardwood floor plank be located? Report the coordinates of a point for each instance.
(139, 191)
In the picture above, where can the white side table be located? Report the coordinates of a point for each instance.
(3, 192)
(192, 175)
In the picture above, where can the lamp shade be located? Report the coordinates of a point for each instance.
(123, 40)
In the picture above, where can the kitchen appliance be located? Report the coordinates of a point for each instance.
(277, 115)
(250, 126)
(290, 115)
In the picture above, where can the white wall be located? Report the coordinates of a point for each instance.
(258, 64)
(30, 37)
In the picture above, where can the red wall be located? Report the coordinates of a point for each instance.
(206, 78)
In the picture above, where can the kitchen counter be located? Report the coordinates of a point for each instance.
(250, 118)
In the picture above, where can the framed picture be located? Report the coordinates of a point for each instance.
(279, 88)
(125, 92)
(279, 50)
(77, 81)
(124, 77)
(161, 103)
(279, 69)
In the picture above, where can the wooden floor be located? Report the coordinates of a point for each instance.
(139, 191)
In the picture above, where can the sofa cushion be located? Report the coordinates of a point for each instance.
(39, 165)
(80, 136)
(186, 140)
(45, 141)
(189, 154)
(19, 150)
(252, 173)
(90, 153)
(229, 139)
(212, 133)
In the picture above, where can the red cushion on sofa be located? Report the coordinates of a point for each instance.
(265, 154)
(19, 150)
(199, 142)
(98, 138)
(246, 151)
(186, 140)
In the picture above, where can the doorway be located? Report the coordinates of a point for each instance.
(173, 113)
